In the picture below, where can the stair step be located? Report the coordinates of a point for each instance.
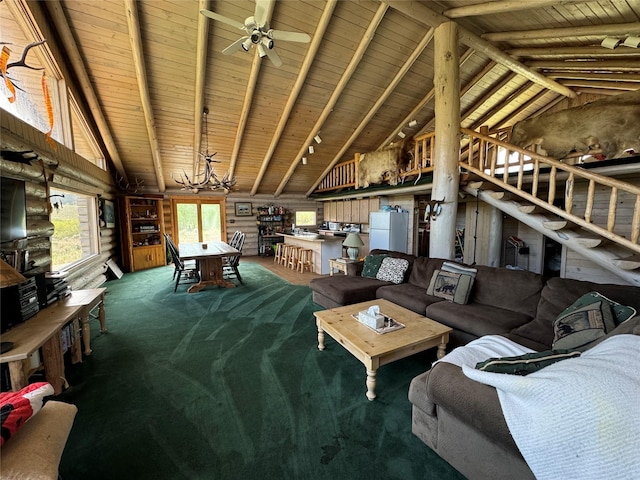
(559, 224)
(589, 240)
(483, 185)
(530, 208)
(627, 263)
(502, 195)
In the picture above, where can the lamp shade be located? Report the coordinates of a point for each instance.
(353, 240)
(9, 276)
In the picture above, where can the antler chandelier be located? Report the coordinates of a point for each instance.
(207, 179)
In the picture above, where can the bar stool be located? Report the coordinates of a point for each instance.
(305, 260)
(294, 253)
(277, 257)
(284, 256)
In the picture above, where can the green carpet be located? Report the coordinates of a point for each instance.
(230, 384)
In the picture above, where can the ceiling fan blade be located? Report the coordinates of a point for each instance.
(289, 36)
(222, 18)
(273, 56)
(260, 15)
(235, 46)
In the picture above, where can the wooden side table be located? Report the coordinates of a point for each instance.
(340, 265)
(88, 300)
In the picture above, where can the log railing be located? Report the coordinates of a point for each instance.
(345, 174)
(536, 178)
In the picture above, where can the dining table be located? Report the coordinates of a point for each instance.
(210, 257)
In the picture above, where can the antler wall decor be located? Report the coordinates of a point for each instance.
(5, 66)
(126, 186)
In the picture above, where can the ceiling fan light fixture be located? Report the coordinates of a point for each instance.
(255, 36)
(610, 42)
(633, 42)
(267, 42)
(246, 45)
(261, 51)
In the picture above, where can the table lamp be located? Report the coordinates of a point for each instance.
(352, 242)
(9, 276)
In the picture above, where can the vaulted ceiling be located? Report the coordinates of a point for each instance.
(153, 66)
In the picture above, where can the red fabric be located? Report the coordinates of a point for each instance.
(18, 407)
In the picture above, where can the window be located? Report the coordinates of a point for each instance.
(306, 219)
(198, 220)
(75, 235)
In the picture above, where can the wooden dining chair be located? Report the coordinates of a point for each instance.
(230, 264)
(183, 272)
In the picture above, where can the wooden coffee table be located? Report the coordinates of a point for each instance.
(374, 349)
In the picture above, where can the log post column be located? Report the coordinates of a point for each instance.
(446, 176)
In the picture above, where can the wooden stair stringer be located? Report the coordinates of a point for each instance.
(566, 236)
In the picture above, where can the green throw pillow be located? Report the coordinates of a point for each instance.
(455, 287)
(372, 265)
(527, 363)
(622, 312)
(576, 327)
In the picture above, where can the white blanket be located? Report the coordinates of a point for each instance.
(483, 348)
(578, 418)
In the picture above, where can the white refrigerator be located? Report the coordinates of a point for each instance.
(389, 231)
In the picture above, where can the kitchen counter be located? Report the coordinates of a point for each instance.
(324, 249)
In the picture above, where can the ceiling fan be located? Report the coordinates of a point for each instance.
(258, 33)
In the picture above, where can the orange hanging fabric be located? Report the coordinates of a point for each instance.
(4, 58)
(47, 101)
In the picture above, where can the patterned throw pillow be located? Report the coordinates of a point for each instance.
(18, 407)
(574, 328)
(392, 270)
(525, 364)
(455, 287)
(622, 313)
(372, 265)
(457, 268)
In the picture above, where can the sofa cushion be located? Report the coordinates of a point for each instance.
(372, 265)
(346, 289)
(580, 324)
(408, 296)
(558, 294)
(393, 270)
(422, 271)
(514, 290)
(457, 268)
(476, 319)
(455, 287)
(18, 407)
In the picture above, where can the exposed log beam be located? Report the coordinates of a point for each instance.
(426, 15)
(626, 86)
(201, 70)
(573, 52)
(487, 94)
(337, 91)
(502, 6)
(611, 65)
(499, 106)
(75, 59)
(131, 9)
(248, 98)
(295, 91)
(526, 105)
(607, 77)
(426, 39)
(588, 31)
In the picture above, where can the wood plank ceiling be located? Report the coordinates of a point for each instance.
(154, 65)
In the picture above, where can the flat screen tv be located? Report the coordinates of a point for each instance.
(13, 210)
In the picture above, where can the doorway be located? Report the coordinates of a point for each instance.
(200, 220)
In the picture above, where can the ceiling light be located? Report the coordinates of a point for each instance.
(401, 134)
(267, 42)
(246, 45)
(255, 36)
(633, 42)
(413, 123)
(311, 149)
(611, 42)
(261, 51)
(304, 160)
(317, 138)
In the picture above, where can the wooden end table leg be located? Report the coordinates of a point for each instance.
(76, 350)
(54, 363)
(371, 384)
(320, 338)
(101, 316)
(86, 334)
(442, 348)
(17, 375)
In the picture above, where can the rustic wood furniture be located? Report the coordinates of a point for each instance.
(209, 256)
(374, 349)
(88, 300)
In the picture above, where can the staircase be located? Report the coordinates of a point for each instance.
(526, 190)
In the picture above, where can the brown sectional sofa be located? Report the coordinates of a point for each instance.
(458, 418)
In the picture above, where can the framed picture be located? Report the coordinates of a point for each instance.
(243, 209)
(108, 214)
